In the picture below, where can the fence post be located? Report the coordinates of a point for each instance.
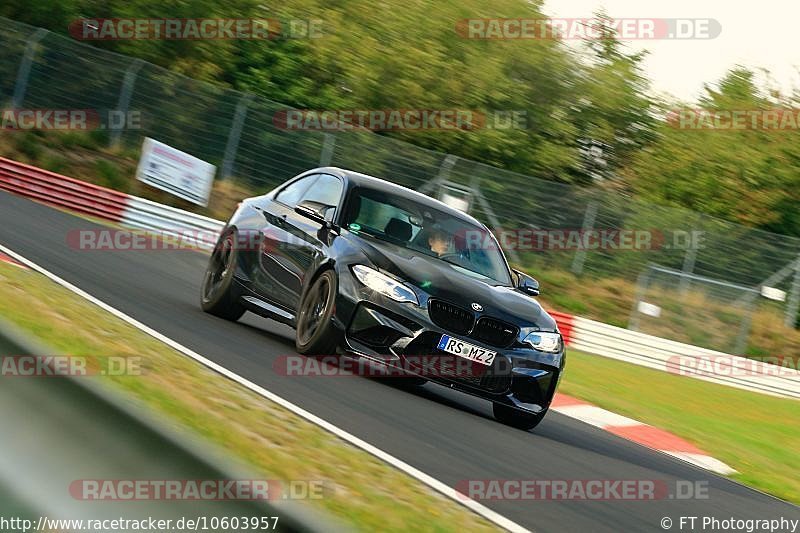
(744, 330)
(326, 155)
(689, 260)
(24, 71)
(588, 225)
(641, 290)
(447, 166)
(493, 220)
(124, 101)
(444, 172)
(688, 268)
(793, 305)
(232, 145)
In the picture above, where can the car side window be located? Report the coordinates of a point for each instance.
(326, 190)
(292, 193)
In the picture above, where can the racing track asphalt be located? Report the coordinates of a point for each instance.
(446, 434)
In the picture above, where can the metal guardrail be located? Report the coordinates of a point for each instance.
(152, 215)
(107, 204)
(683, 359)
(61, 191)
(148, 215)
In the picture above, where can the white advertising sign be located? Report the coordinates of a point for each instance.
(649, 309)
(176, 172)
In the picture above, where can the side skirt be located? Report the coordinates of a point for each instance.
(268, 310)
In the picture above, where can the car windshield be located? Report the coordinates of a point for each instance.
(469, 248)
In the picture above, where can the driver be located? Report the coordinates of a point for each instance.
(439, 242)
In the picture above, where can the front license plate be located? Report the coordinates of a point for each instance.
(466, 350)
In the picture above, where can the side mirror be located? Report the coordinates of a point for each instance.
(527, 284)
(314, 211)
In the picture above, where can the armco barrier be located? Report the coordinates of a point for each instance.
(566, 325)
(662, 354)
(68, 193)
(579, 333)
(144, 214)
(61, 191)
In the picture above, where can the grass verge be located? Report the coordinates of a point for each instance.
(758, 435)
(367, 493)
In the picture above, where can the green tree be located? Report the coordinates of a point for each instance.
(748, 175)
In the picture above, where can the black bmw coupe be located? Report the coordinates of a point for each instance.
(364, 268)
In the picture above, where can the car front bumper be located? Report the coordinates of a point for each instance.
(403, 337)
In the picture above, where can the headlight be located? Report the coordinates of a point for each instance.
(543, 341)
(384, 284)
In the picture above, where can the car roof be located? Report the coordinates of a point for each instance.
(357, 179)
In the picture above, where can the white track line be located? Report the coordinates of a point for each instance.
(406, 468)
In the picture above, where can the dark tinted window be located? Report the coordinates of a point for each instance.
(292, 194)
(326, 190)
(402, 221)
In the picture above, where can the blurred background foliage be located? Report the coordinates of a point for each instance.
(380, 55)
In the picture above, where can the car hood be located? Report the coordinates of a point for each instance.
(441, 280)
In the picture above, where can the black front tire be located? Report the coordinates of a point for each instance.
(219, 295)
(516, 418)
(316, 333)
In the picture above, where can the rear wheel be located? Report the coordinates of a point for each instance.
(316, 334)
(516, 418)
(219, 296)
